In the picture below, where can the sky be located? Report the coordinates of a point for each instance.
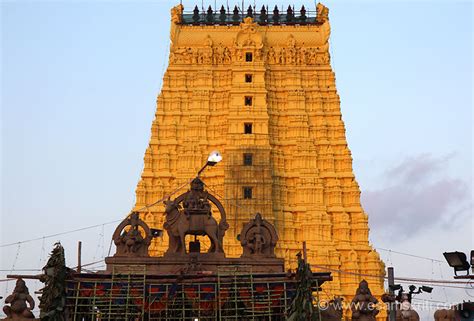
(79, 81)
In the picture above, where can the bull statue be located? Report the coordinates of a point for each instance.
(191, 214)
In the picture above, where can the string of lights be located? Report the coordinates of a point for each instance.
(400, 279)
(38, 270)
(20, 270)
(98, 225)
(171, 194)
(430, 301)
(377, 248)
(407, 254)
(58, 234)
(233, 202)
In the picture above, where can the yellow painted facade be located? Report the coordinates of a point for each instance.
(301, 174)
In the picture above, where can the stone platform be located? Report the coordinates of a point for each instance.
(189, 263)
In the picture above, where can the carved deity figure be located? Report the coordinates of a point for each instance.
(323, 13)
(291, 41)
(21, 303)
(197, 199)
(291, 56)
(364, 304)
(282, 57)
(405, 311)
(227, 56)
(258, 54)
(258, 238)
(271, 55)
(129, 239)
(190, 214)
(207, 51)
(258, 241)
(291, 51)
(177, 13)
(219, 54)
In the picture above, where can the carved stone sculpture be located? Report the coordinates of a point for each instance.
(21, 303)
(323, 13)
(333, 310)
(445, 315)
(405, 311)
(190, 214)
(177, 13)
(258, 238)
(129, 241)
(364, 304)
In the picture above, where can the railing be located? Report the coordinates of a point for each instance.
(222, 17)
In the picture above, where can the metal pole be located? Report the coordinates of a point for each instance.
(392, 305)
(79, 254)
(202, 169)
(305, 253)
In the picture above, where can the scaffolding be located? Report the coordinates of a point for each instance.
(122, 297)
(129, 294)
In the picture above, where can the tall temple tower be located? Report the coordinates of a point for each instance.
(259, 88)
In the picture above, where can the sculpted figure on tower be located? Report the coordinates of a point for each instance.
(21, 303)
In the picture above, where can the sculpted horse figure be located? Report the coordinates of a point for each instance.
(178, 225)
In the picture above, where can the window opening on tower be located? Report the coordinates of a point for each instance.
(248, 100)
(248, 128)
(248, 159)
(247, 192)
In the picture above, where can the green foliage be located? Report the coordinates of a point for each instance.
(302, 308)
(53, 298)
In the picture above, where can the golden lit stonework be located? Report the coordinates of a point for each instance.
(263, 95)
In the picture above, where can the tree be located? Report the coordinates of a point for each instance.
(53, 297)
(302, 308)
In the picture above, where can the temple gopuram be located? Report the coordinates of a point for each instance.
(258, 86)
(271, 227)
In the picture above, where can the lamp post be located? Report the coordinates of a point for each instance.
(391, 288)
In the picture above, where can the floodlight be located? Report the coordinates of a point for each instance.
(458, 261)
(214, 158)
(395, 287)
(427, 289)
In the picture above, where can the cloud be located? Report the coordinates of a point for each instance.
(415, 169)
(417, 195)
